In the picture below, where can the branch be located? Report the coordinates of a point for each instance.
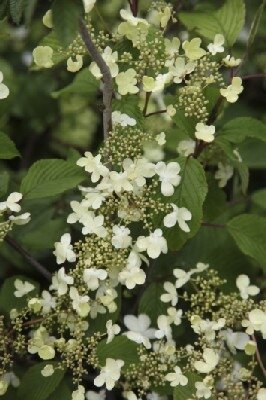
(263, 369)
(155, 112)
(40, 268)
(255, 76)
(134, 7)
(107, 77)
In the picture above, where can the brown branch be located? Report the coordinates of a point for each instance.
(134, 4)
(255, 76)
(39, 267)
(147, 98)
(262, 367)
(107, 77)
(155, 112)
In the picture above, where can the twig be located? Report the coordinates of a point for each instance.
(107, 77)
(155, 112)
(134, 4)
(246, 77)
(148, 95)
(210, 225)
(263, 369)
(39, 267)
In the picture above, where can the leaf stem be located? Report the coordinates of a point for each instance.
(107, 77)
(39, 267)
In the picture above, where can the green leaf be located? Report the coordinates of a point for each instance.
(66, 14)
(120, 348)
(51, 230)
(215, 202)
(16, 8)
(185, 124)
(249, 233)
(129, 105)
(61, 392)
(7, 299)
(50, 177)
(8, 149)
(259, 198)
(255, 24)
(37, 387)
(228, 21)
(83, 83)
(150, 303)
(186, 392)
(4, 180)
(238, 129)
(191, 194)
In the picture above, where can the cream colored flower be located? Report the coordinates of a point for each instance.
(217, 45)
(177, 378)
(4, 91)
(48, 19)
(192, 49)
(127, 82)
(109, 374)
(231, 62)
(42, 56)
(186, 147)
(205, 132)
(210, 361)
(231, 93)
(75, 66)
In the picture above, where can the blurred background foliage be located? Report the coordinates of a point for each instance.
(46, 122)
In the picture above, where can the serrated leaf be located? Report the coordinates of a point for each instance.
(120, 348)
(190, 193)
(61, 392)
(36, 387)
(66, 14)
(259, 198)
(51, 230)
(49, 178)
(83, 83)
(238, 129)
(16, 9)
(7, 299)
(228, 21)
(8, 148)
(150, 303)
(249, 233)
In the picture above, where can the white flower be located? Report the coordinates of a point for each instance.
(246, 290)
(23, 288)
(42, 344)
(127, 82)
(223, 174)
(93, 197)
(122, 119)
(93, 165)
(3, 386)
(88, 5)
(121, 238)
(138, 170)
(110, 59)
(132, 276)
(200, 267)
(171, 295)
(118, 182)
(48, 19)
(180, 216)
(171, 111)
(231, 62)
(64, 250)
(206, 327)
(261, 395)
(217, 45)
(112, 330)
(93, 276)
(203, 390)
(172, 46)
(153, 152)
(21, 219)
(80, 211)
(128, 16)
(210, 361)
(109, 374)
(180, 69)
(93, 224)
(192, 49)
(139, 329)
(11, 379)
(106, 297)
(155, 85)
(163, 322)
(4, 91)
(79, 394)
(205, 132)
(48, 302)
(232, 92)
(169, 176)
(256, 322)
(75, 66)
(182, 277)
(174, 316)
(160, 139)
(154, 244)
(186, 147)
(42, 56)
(48, 370)
(235, 340)
(79, 303)
(60, 282)
(91, 395)
(11, 202)
(177, 378)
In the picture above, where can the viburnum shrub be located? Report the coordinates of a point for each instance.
(123, 315)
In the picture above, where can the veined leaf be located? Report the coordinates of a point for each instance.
(120, 348)
(259, 198)
(83, 83)
(238, 129)
(50, 177)
(16, 9)
(8, 149)
(151, 304)
(228, 21)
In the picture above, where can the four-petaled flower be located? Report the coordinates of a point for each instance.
(177, 378)
(109, 374)
(154, 244)
(64, 250)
